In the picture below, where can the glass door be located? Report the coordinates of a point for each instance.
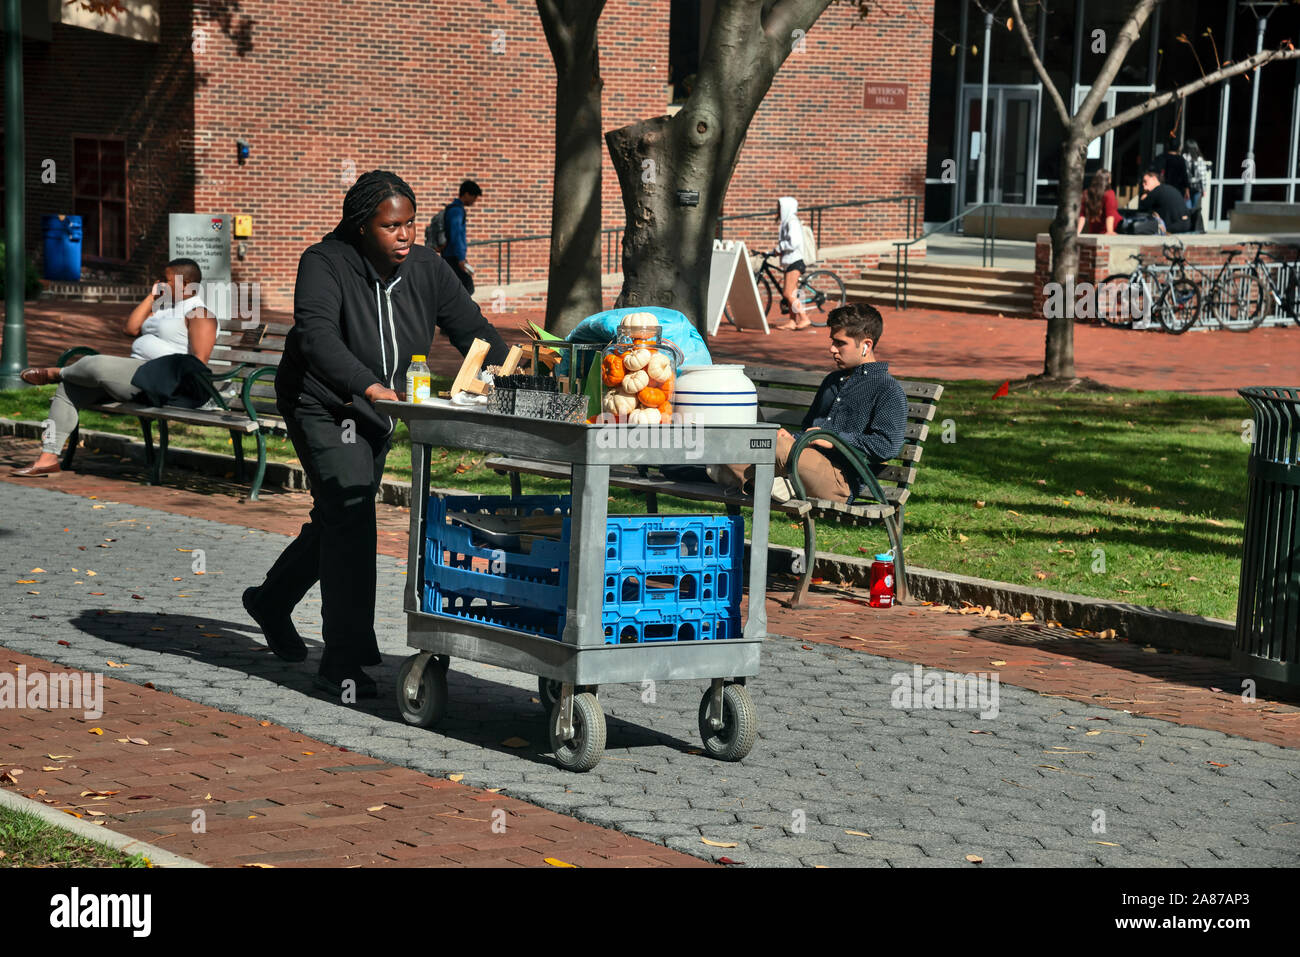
(1011, 161)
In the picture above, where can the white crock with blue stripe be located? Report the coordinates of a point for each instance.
(716, 395)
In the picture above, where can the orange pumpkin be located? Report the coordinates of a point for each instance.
(611, 372)
(666, 410)
(651, 397)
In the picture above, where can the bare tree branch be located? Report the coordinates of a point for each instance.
(1244, 66)
(1128, 35)
(1062, 112)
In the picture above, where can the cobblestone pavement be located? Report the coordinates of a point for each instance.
(838, 777)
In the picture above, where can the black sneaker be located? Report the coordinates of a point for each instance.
(333, 683)
(281, 635)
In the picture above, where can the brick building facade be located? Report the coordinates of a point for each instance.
(436, 92)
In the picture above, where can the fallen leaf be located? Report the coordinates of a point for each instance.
(515, 742)
(65, 644)
(705, 840)
(115, 664)
(1026, 616)
(97, 593)
(309, 753)
(207, 797)
(974, 858)
(981, 732)
(1040, 575)
(36, 571)
(858, 833)
(138, 597)
(1106, 843)
(96, 813)
(1216, 764)
(269, 867)
(456, 777)
(137, 740)
(979, 503)
(962, 538)
(96, 730)
(50, 767)
(727, 860)
(102, 794)
(27, 581)
(377, 807)
(556, 862)
(264, 724)
(58, 757)
(998, 663)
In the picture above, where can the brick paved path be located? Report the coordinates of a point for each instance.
(833, 757)
(919, 343)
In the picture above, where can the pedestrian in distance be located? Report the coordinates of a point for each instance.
(457, 248)
(366, 299)
(790, 245)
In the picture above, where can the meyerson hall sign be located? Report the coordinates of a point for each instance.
(885, 96)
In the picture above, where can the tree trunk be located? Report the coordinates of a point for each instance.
(1059, 361)
(668, 243)
(573, 279)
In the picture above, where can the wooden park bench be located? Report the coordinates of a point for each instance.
(783, 398)
(242, 385)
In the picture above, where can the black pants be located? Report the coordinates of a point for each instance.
(337, 544)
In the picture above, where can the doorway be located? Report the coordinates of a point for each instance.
(1011, 164)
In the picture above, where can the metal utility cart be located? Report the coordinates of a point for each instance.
(571, 669)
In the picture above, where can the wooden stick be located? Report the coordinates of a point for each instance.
(467, 378)
(512, 360)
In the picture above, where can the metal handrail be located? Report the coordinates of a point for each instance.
(903, 247)
(611, 241)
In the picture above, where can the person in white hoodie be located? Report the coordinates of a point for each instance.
(790, 246)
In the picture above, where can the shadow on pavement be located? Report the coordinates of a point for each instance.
(480, 712)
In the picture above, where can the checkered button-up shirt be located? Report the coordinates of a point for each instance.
(866, 407)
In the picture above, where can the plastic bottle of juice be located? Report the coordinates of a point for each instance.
(418, 380)
(882, 581)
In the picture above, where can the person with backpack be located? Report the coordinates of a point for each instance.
(446, 233)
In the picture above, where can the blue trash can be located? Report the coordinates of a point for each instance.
(62, 247)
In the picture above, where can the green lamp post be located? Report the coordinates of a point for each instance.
(14, 356)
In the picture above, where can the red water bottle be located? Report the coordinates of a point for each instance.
(882, 581)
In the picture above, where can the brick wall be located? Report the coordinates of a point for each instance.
(88, 83)
(323, 91)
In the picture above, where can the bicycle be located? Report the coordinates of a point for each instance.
(819, 290)
(1231, 297)
(1122, 297)
(1285, 292)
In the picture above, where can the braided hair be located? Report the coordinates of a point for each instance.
(363, 199)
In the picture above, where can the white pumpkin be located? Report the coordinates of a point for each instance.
(639, 319)
(659, 368)
(645, 417)
(618, 403)
(634, 382)
(637, 359)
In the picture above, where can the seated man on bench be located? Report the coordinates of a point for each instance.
(860, 401)
(166, 322)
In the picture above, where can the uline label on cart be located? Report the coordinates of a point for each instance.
(760, 443)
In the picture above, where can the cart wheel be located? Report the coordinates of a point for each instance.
(548, 690)
(588, 744)
(430, 704)
(739, 724)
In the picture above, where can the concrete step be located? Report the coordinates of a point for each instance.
(916, 268)
(932, 297)
(958, 281)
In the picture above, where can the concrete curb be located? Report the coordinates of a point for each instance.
(1194, 634)
(91, 832)
(1162, 629)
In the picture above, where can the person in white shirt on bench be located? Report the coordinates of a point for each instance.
(166, 322)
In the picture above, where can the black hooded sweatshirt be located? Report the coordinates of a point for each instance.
(352, 329)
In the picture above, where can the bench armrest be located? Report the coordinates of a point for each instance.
(75, 352)
(229, 373)
(261, 372)
(854, 457)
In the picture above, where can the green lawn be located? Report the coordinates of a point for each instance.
(27, 841)
(1037, 489)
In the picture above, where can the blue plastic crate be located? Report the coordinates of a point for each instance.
(667, 585)
(693, 541)
(468, 607)
(667, 577)
(683, 623)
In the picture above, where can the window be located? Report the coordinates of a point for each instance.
(99, 196)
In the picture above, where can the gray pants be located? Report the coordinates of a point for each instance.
(87, 381)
